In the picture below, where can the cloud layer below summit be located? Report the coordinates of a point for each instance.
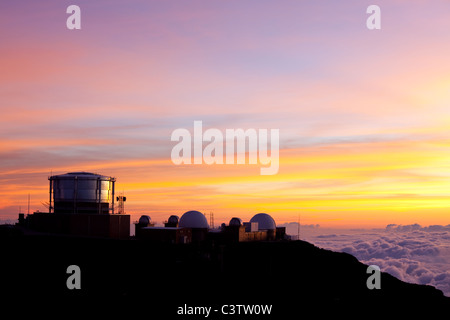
(411, 253)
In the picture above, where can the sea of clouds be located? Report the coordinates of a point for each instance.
(411, 253)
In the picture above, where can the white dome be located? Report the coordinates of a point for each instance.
(265, 222)
(193, 219)
(144, 220)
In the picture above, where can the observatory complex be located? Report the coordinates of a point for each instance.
(83, 204)
(193, 227)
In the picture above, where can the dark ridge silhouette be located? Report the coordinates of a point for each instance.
(293, 276)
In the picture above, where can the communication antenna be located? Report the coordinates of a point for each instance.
(211, 220)
(50, 192)
(298, 227)
(28, 203)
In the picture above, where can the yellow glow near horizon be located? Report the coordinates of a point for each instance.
(372, 185)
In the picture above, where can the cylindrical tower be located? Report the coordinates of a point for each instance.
(82, 192)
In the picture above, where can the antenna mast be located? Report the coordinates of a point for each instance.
(211, 220)
(121, 199)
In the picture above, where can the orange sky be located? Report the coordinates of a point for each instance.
(364, 116)
(347, 185)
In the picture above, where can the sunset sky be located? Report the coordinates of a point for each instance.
(364, 115)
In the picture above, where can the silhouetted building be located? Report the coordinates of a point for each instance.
(193, 227)
(82, 192)
(91, 225)
(261, 227)
(144, 222)
(172, 222)
(82, 204)
(165, 234)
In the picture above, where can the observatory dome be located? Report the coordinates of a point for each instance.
(235, 222)
(265, 221)
(173, 219)
(193, 219)
(144, 220)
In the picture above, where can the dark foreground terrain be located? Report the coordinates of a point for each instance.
(144, 278)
